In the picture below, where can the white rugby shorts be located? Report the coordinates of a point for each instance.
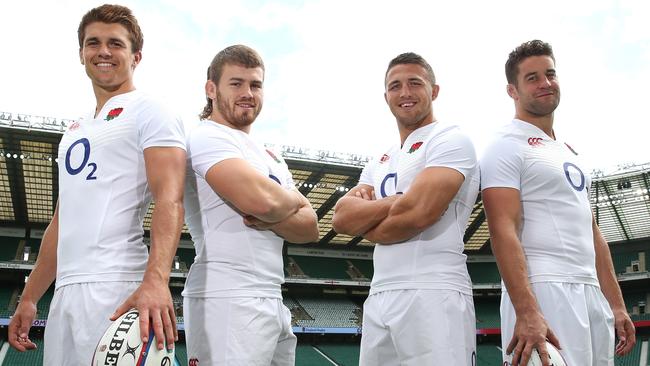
(79, 316)
(418, 327)
(579, 316)
(238, 331)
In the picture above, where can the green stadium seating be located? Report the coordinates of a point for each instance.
(8, 247)
(31, 358)
(343, 354)
(484, 272)
(6, 291)
(488, 355)
(622, 260)
(487, 313)
(306, 355)
(321, 267)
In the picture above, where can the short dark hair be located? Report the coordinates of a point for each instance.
(234, 55)
(108, 13)
(411, 58)
(525, 50)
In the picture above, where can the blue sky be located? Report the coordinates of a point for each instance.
(326, 59)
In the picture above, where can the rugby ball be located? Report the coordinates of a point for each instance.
(121, 345)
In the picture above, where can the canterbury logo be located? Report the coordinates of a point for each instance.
(535, 141)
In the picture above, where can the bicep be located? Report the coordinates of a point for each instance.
(503, 210)
(432, 191)
(165, 168)
(236, 181)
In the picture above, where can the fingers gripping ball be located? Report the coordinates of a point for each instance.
(555, 358)
(121, 345)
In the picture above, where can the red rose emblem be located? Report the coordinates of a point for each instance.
(114, 113)
(414, 147)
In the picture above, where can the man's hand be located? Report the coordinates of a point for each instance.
(154, 303)
(531, 331)
(255, 223)
(20, 324)
(625, 332)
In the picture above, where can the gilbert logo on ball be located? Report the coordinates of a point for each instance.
(121, 345)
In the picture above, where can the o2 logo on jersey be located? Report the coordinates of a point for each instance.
(570, 168)
(85, 145)
(382, 188)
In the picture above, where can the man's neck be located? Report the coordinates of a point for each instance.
(544, 123)
(102, 96)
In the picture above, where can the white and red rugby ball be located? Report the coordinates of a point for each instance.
(121, 345)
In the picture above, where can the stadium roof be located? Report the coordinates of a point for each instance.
(29, 177)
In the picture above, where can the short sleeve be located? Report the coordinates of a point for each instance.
(209, 145)
(159, 128)
(367, 173)
(452, 150)
(501, 165)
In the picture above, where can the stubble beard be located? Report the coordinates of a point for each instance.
(228, 113)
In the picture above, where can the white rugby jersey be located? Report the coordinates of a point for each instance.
(232, 260)
(433, 259)
(103, 191)
(556, 233)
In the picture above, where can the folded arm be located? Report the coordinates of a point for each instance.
(252, 193)
(299, 228)
(358, 211)
(420, 207)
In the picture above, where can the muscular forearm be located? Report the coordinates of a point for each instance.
(403, 222)
(355, 216)
(166, 225)
(606, 275)
(299, 228)
(512, 266)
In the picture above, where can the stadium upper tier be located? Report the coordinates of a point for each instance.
(29, 179)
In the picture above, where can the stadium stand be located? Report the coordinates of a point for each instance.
(342, 354)
(186, 257)
(7, 291)
(623, 262)
(483, 272)
(365, 266)
(487, 313)
(329, 312)
(321, 267)
(8, 248)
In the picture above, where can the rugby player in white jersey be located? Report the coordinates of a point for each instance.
(241, 204)
(556, 266)
(126, 151)
(414, 202)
